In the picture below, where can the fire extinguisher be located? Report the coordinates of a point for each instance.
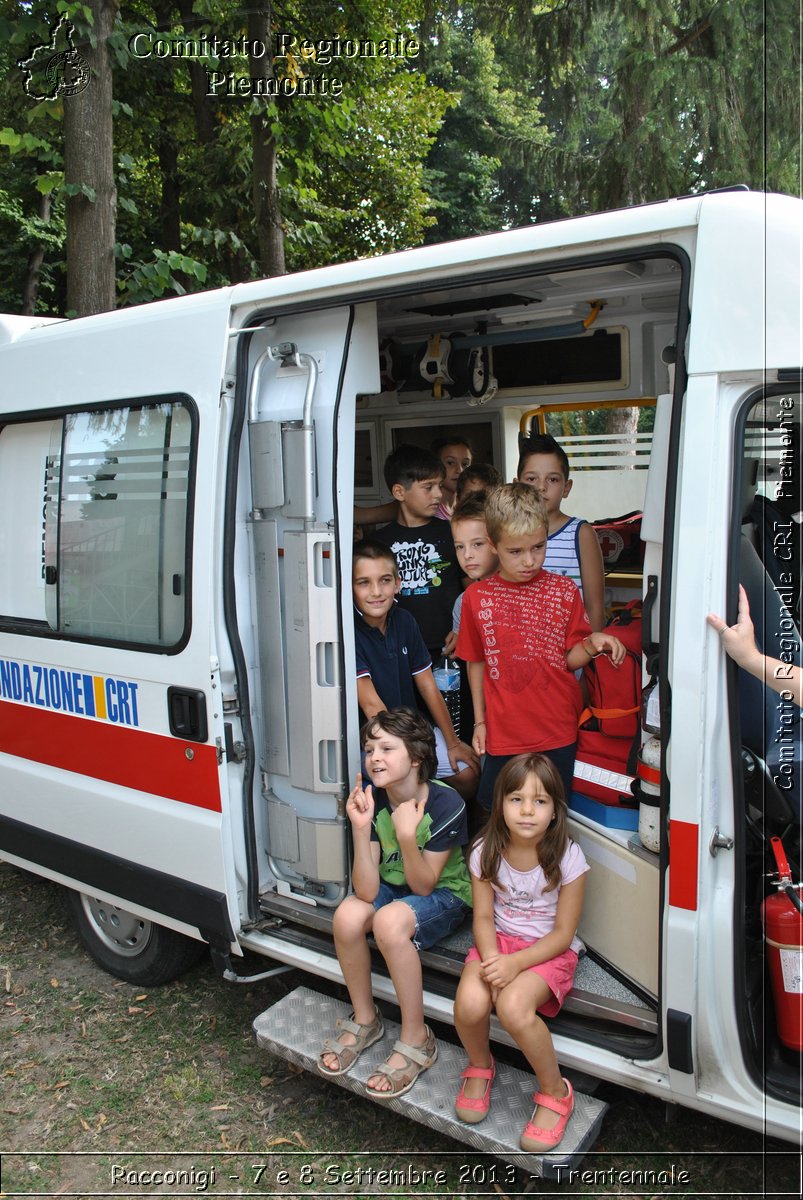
(648, 791)
(782, 919)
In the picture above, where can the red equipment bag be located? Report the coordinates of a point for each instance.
(620, 541)
(601, 770)
(609, 733)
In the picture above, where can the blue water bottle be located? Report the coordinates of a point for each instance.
(447, 678)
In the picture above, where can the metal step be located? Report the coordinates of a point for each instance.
(295, 1027)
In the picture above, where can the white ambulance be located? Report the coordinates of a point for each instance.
(178, 710)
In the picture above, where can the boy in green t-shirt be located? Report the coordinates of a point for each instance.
(410, 889)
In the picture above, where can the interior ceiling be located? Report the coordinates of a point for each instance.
(558, 296)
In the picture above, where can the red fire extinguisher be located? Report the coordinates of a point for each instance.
(782, 919)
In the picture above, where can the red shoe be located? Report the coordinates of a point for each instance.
(537, 1140)
(472, 1109)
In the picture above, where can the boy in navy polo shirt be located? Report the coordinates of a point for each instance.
(394, 667)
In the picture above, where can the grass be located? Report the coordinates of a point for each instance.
(102, 1074)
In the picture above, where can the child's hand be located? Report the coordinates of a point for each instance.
(360, 805)
(605, 643)
(407, 817)
(499, 970)
(461, 753)
(449, 643)
(478, 739)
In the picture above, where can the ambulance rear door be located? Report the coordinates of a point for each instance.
(301, 375)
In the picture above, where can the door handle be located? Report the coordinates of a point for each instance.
(186, 711)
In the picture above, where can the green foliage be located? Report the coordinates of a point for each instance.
(31, 207)
(480, 172)
(659, 99)
(364, 182)
(514, 111)
(141, 281)
(349, 175)
(21, 232)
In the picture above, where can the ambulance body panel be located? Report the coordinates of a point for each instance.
(178, 720)
(95, 774)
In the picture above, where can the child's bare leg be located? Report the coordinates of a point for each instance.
(352, 921)
(472, 1020)
(515, 1008)
(394, 927)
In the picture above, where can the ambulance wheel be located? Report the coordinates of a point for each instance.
(130, 947)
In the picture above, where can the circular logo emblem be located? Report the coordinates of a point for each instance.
(612, 544)
(67, 73)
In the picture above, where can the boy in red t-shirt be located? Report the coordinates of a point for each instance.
(523, 633)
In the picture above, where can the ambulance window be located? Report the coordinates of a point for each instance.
(609, 454)
(771, 493)
(116, 525)
(768, 513)
(766, 560)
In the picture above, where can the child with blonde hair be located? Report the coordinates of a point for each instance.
(523, 632)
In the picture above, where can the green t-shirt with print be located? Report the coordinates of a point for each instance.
(443, 827)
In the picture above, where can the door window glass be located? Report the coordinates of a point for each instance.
(116, 524)
(769, 750)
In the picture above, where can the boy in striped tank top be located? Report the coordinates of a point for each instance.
(572, 546)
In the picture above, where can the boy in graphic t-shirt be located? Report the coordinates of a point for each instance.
(422, 543)
(523, 633)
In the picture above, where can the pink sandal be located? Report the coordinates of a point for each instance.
(537, 1140)
(472, 1109)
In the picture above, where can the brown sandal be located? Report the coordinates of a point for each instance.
(403, 1078)
(364, 1035)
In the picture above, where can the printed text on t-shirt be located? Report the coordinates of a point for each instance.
(420, 566)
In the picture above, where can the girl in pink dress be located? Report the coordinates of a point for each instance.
(527, 879)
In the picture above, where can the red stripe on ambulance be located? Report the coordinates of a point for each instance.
(146, 762)
(683, 864)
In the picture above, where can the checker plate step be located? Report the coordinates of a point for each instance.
(295, 1027)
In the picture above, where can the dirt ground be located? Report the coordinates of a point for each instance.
(113, 1090)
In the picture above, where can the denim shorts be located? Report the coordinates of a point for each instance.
(436, 915)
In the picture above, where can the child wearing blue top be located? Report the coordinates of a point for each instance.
(394, 667)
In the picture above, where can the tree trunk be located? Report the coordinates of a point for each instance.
(267, 212)
(166, 144)
(89, 162)
(170, 205)
(30, 288)
(203, 106)
(624, 421)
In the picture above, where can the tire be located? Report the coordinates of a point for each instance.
(131, 947)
